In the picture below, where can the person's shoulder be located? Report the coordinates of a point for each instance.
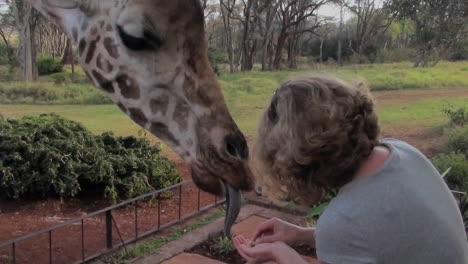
(396, 142)
(401, 146)
(337, 215)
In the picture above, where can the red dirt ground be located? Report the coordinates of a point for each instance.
(21, 218)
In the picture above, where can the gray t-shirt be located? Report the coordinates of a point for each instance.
(402, 214)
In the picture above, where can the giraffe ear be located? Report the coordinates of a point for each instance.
(65, 4)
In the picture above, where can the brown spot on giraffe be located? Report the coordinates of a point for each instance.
(92, 49)
(191, 62)
(128, 86)
(94, 30)
(194, 93)
(84, 26)
(162, 131)
(105, 84)
(75, 34)
(81, 47)
(109, 27)
(111, 48)
(138, 116)
(101, 24)
(160, 104)
(181, 115)
(53, 16)
(103, 64)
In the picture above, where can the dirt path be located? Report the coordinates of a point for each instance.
(389, 98)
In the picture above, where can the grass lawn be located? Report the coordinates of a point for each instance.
(100, 118)
(427, 112)
(247, 94)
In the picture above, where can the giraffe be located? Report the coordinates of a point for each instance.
(150, 58)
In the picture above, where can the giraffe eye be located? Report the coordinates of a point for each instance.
(149, 41)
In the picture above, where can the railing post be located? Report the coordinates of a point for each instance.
(180, 201)
(198, 202)
(13, 252)
(50, 247)
(109, 229)
(82, 241)
(136, 219)
(159, 211)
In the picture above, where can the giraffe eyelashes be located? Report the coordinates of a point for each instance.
(149, 41)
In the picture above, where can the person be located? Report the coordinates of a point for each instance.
(392, 206)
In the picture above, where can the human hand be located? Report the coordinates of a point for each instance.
(275, 230)
(277, 252)
(254, 253)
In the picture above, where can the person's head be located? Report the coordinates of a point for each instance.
(315, 134)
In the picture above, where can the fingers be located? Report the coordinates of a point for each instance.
(268, 239)
(266, 226)
(239, 244)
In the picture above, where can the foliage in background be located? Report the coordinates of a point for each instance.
(251, 89)
(458, 175)
(48, 93)
(47, 155)
(457, 117)
(47, 65)
(458, 140)
(318, 209)
(463, 205)
(456, 156)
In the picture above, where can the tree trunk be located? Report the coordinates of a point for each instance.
(226, 10)
(67, 57)
(279, 50)
(340, 38)
(26, 50)
(321, 50)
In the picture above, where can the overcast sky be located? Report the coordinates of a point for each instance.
(333, 10)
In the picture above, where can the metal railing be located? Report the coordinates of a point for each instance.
(110, 224)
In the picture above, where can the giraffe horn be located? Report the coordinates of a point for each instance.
(65, 4)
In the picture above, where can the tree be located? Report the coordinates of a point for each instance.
(25, 21)
(438, 26)
(371, 21)
(339, 52)
(292, 17)
(227, 9)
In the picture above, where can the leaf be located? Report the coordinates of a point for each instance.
(318, 210)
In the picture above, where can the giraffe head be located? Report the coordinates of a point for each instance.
(150, 57)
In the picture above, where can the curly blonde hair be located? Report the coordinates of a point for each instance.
(314, 136)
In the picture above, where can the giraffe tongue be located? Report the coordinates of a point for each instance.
(65, 4)
(233, 199)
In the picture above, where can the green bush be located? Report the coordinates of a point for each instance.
(49, 156)
(458, 139)
(47, 65)
(396, 55)
(457, 117)
(458, 163)
(47, 93)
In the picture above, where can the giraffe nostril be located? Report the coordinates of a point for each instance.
(236, 146)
